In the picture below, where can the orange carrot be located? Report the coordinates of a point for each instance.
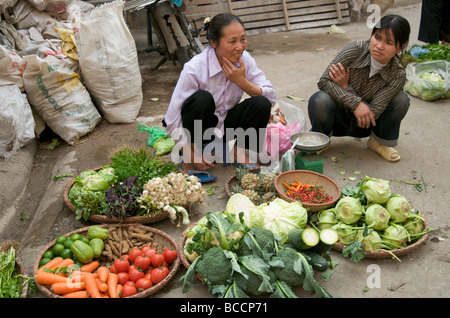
(113, 280)
(102, 287)
(102, 273)
(64, 288)
(91, 286)
(67, 262)
(76, 294)
(119, 290)
(46, 278)
(90, 267)
(52, 264)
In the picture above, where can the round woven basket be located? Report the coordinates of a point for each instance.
(308, 177)
(98, 218)
(159, 237)
(397, 252)
(232, 180)
(20, 269)
(180, 250)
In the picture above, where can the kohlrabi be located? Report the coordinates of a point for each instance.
(376, 216)
(395, 235)
(348, 210)
(326, 219)
(347, 233)
(375, 190)
(398, 207)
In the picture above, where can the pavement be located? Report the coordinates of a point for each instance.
(33, 212)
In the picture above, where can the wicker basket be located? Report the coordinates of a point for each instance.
(98, 218)
(397, 252)
(309, 177)
(159, 237)
(20, 269)
(180, 250)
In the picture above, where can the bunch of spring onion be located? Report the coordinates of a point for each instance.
(172, 193)
(369, 217)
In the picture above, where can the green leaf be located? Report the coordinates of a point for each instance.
(355, 250)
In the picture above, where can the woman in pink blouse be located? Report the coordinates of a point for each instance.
(207, 107)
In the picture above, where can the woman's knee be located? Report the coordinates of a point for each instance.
(320, 104)
(399, 105)
(198, 103)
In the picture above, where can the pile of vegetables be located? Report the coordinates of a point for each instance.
(258, 187)
(237, 256)
(135, 184)
(126, 262)
(307, 193)
(368, 217)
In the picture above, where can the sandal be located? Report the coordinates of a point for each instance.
(387, 153)
(203, 176)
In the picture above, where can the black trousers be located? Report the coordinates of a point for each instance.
(435, 21)
(250, 115)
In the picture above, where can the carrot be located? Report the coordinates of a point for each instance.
(67, 262)
(46, 278)
(102, 273)
(90, 267)
(288, 186)
(113, 280)
(64, 288)
(76, 294)
(91, 287)
(119, 290)
(52, 264)
(102, 287)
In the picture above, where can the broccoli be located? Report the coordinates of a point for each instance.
(258, 240)
(290, 272)
(254, 284)
(214, 266)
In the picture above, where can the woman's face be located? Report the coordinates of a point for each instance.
(232, 44)
(383, 47)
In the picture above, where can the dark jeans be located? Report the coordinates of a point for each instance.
(253, 112)
(330, 118)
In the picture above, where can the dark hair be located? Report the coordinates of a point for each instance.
(398, 25)
(215, 26)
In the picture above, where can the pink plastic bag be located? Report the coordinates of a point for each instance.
(277, 140)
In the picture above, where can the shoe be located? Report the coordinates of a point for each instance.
(387, 153)
(203, 176)
(249, 166)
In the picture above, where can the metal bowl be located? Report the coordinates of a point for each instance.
(310, 141)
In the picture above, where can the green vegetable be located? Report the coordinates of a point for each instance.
(326, 218)
(97, 246)
(303, 239)
(214, 266)
(98, 232)
(227, 232)
(375, 190)
(376, 216)
(327, 238)
(11, 283)
(348, 210)
(239, 203)
(398, 208)
(317, 262)
(82, 251)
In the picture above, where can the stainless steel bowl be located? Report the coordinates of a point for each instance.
(310, 141)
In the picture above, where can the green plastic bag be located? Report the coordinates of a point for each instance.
(163, 145)
(155, 132)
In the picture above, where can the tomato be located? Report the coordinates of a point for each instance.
(126, 256)
(166, 270)
(112, 269)
(123, 278)
(169, 254)
(134, 252)
(157, 260)
(144, 283)
(149, 269)
(121, 265)
(158, 274)
(148, 275)
(135, 273)
(149, 251)
(145, 248)
(142, 261)
(128, 290)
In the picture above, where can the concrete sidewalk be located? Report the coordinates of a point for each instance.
(33, 211)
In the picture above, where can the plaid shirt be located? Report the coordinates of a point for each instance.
(376, 91)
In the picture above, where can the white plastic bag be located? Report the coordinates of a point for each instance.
(108, 60)
(55, 91)
(16, 121)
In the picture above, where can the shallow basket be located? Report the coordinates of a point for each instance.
(98, 218)
(20, 269)
(308, 177)
(158, 237)
(232, 180)
(180, 250)
(397, 252)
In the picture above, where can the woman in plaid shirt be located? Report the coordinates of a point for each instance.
(361, 92)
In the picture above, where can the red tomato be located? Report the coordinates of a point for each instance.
(158, 274)
(123, 278)
(144, 283)
(149, 270)
(165, 269)
(135, 273)
(112, 269)
(134, 252)
(130, 282)
(128, 290)
(148, 276)
(149, 251)
(157, 260)
(142, 261)
(126, 256)
(145, 248)
(121, 265)
(169, 254)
